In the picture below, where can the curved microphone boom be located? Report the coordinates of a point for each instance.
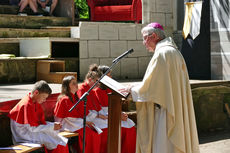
(123, 55)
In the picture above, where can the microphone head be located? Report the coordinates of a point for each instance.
(131, 50)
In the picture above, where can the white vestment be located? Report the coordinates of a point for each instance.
(166, 83)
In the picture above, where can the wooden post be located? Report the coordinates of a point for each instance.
(114, 128)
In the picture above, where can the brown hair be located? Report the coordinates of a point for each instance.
(93, 72)
(65, 89)
(103, 69)
(42, 87)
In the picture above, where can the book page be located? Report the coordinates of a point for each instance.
(115, 86)
(31, 144)
(10, 148)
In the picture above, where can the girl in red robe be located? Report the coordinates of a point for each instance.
(98, 118)
(28, 122)
(128, 130)
(73, 121)
(98, 105)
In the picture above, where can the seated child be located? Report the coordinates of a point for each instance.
(128, 130)
(73, 121)
(99, 120)
(28, 121)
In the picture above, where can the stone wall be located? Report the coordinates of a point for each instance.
(17, 70)
(209, 99)
(220, 55)
(158, 11)
(178, 38)
(220, 44)
(209, 106)
(23, 70)
(101, 42)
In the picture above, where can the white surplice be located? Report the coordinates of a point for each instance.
(42, 134)
(103, 123)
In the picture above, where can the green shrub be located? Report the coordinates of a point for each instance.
(82, 8)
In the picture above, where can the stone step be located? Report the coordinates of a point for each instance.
(4, 2)
(8, 9)
(15, 33)
(23, 69)
(10, 48)
(53, 39)
(13, 9)
(57, 27)
(32, 22)
(11, 45)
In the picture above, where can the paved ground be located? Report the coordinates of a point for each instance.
(215, 142)
(221, 146)
(18, 91)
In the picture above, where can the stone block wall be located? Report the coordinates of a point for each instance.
(17, 70)
(178, 38)
(23, 70)
(101, 42)
(220, 55)
(158, 11)
(220, 40)
(210, 110)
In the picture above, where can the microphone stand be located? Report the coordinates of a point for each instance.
(84, 96)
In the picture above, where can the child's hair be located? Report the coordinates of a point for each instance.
(65, 89)
(42, 87)
(103, 69)
(93, 72)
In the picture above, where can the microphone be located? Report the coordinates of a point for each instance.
(82, 98)
(123, 55)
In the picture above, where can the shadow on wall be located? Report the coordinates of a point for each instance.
(220, 37)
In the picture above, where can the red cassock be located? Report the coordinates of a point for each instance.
(92, 101)
(92, 138)
(128, 135)
(31, 114)
(93, 104)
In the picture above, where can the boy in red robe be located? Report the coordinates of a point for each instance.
(28, 121)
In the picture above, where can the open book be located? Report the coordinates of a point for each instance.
(115, 86)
